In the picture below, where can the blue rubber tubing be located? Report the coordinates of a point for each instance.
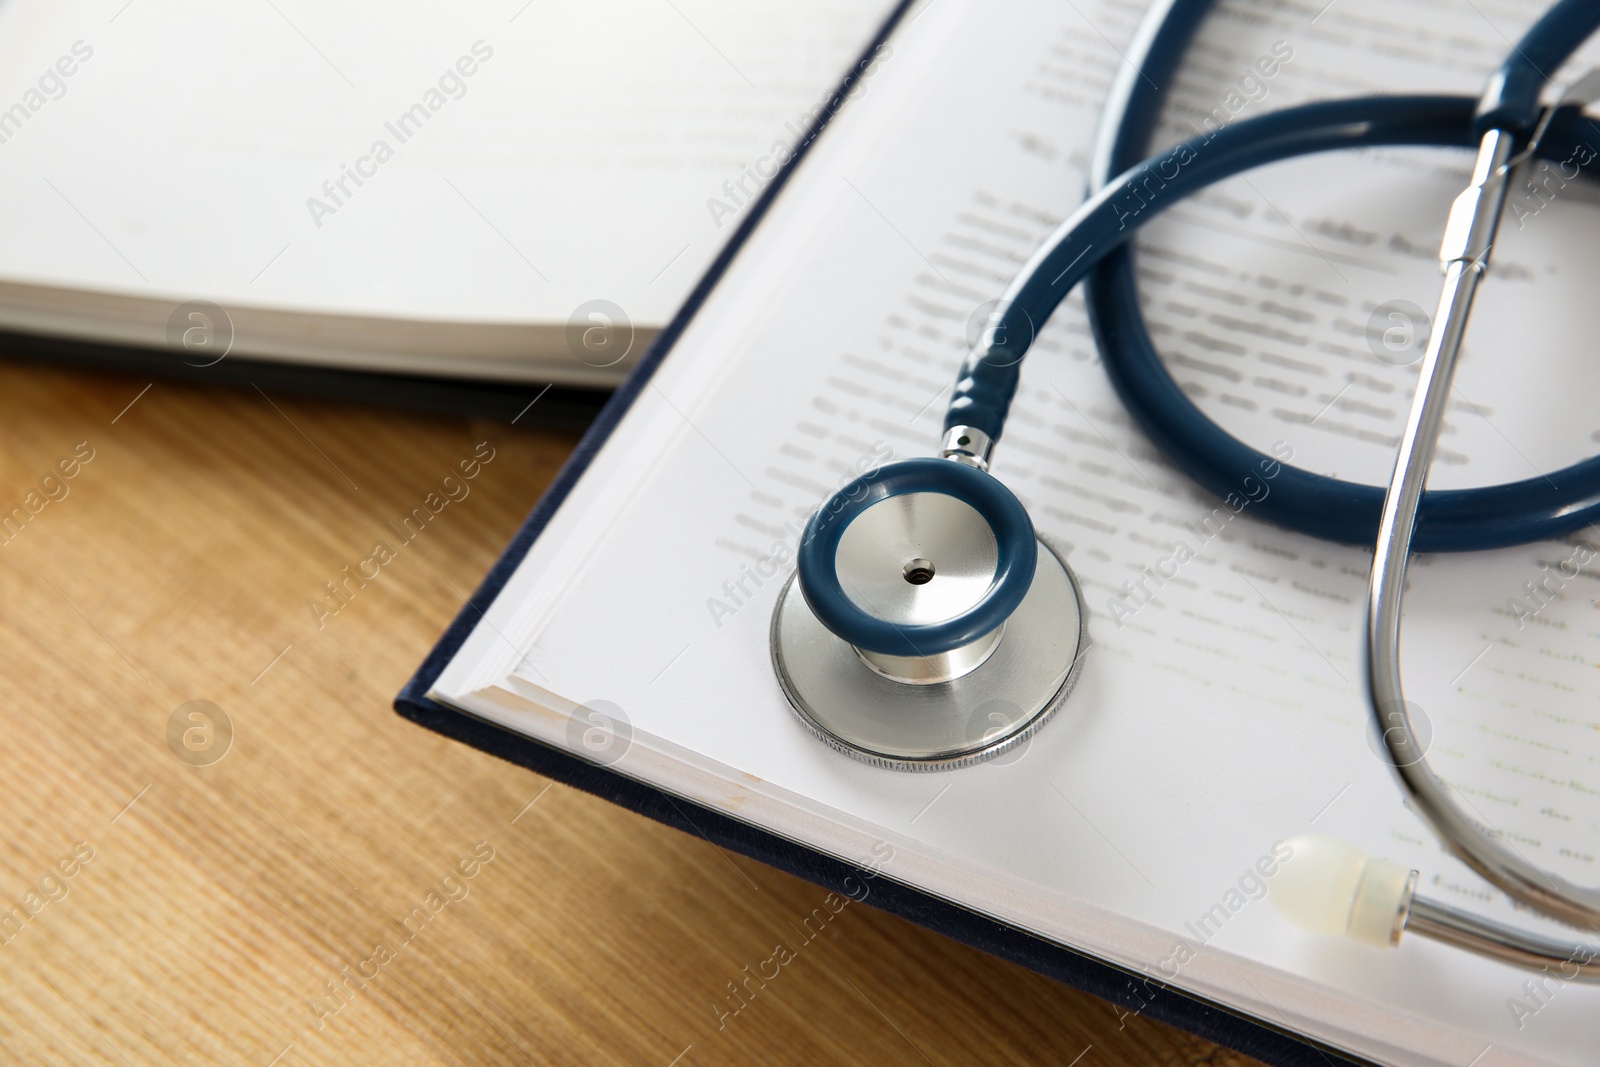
(1091, 246)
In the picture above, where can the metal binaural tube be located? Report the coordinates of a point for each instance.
(1570, 961)
(1468, 241)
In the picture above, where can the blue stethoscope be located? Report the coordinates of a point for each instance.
(928, 627)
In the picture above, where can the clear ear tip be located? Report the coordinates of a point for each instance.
(1330, 887)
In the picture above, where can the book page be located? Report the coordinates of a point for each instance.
(498, 161)
(1219, 709)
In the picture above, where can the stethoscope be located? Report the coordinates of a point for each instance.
(929, 627)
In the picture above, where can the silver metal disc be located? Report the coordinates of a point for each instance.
(875, 548)
(947, 724)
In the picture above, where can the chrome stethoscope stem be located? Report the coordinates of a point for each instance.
(1569, 961)
(1469, 237)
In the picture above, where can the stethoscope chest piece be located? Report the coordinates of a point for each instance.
(968, 638)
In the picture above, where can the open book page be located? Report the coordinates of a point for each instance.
(495, 161)
(1218, 711)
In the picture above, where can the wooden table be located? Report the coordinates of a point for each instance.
(212, 907)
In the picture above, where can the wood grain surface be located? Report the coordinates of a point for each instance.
(164, 906)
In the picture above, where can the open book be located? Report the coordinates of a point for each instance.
(510, 191)
(1218, 711)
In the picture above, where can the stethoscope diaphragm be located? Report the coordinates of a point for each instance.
(952, 633)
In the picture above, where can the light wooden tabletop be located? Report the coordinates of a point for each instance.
(166, 906)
